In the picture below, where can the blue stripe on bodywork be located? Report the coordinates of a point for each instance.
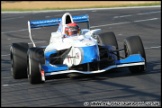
(47, 54)
(52, 68)
(90, 54)
(134, 58)
(47, 67)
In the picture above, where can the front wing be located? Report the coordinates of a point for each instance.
(132, 60)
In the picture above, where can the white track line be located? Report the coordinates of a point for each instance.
(125, 22)
(122, 16)
(14, 31)
(129, 15)
(16, 84)
(12, 18)
(156, 47)
(146, 20)
(146, 13)
(18, 30)
(120, 23)
(5, 55)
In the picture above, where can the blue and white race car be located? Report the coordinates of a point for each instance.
(74, 50)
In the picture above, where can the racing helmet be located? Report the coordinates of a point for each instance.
(72, 29)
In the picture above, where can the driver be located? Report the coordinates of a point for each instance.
(72, 29)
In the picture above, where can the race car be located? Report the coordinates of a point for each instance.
(72, 49)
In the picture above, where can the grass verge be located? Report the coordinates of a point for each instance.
(38, 6)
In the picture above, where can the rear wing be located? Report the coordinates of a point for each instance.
(54, 22)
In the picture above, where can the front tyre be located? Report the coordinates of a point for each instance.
(134, 45)
(35, 59)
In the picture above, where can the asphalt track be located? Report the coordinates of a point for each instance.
(112, 86)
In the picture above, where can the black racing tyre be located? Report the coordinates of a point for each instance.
(134, 45)
(109, 38)
(35, 59)
(18, 56)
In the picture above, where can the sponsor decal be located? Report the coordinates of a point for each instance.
(74, 57)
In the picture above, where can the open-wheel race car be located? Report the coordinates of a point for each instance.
(74, 50)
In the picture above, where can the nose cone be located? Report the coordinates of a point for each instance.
(90, 54)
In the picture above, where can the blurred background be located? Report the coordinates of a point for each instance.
(50, 5)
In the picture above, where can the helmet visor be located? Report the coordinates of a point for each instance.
(73, 30)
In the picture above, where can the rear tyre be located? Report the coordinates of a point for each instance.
(35, 59)
(18, 56)
(134, 45)
(108, 38)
